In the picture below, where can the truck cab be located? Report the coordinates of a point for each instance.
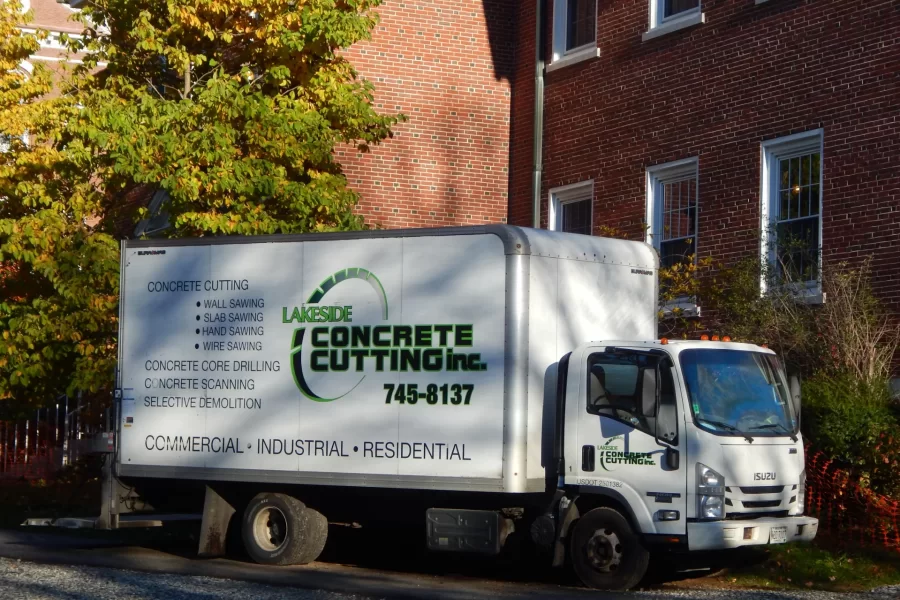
(695, 444)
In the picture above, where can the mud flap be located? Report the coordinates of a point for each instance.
(567, 515)
(217, 513)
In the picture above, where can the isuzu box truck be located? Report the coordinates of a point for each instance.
(486, 382)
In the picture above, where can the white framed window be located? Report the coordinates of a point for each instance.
(672, 210)
(572, 208)
(667, 16)
(574, 32)
(791, 210)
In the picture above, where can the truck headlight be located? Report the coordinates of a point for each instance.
(711, 493)
(801, 493)
(712, 507)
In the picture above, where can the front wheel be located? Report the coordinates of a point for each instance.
(606, 552)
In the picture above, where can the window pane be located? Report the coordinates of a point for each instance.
(673, 7)
(805, 169)
(814, 200)
(798, 249)
(815, 167)
(576, 217)
(795, 172)
(784, 174)
(785, 202)
(804, 202)
(678, 251)
(582, 23)
(794, 209)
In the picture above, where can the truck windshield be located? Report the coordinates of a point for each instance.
(734, 392)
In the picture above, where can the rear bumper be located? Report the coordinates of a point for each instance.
(717, 535)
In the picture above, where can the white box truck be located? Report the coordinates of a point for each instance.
(481, 381)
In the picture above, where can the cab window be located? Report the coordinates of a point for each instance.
(623, 386)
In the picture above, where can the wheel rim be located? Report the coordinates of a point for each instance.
(604, 551)
(270, 529)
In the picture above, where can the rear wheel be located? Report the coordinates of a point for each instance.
(605, 551)
(280, 530)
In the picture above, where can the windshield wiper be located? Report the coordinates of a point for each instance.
(783, 429)
(726, 427)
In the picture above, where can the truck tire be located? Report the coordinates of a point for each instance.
(280, 530)
(605, 552)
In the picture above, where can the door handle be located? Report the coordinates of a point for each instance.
(587, 458)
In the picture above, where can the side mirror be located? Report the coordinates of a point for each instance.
(794, 384)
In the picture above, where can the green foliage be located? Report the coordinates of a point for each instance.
(854, 422)
(845, 416)
(232, 107)
(777, 318)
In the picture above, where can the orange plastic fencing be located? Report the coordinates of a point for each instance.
(847, 511)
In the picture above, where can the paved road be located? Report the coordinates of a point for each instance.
(48, 566)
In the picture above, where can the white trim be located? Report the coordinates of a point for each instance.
(63, 59)
(52, 41)
(758, 2)
(586, 53)
(561, 57)
(770, 152)
(566, 194)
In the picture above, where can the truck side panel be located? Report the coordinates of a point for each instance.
(355, 362)
(593, 300)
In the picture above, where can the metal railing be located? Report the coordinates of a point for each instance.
(39, 446)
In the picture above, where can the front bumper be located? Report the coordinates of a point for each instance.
(717, 535)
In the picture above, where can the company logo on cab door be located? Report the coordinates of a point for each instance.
(612, 454)
(341, 349)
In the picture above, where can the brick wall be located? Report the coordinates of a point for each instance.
(446, 65)
(522, 143)
(749, 74)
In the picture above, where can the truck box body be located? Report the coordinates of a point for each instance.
(418, 359)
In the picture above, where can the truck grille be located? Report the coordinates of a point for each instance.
(778, 514)
(761, 503)
(765, 489)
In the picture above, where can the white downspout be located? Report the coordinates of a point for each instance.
(538, 115)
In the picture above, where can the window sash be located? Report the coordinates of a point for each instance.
(798, 194)
(575, 216)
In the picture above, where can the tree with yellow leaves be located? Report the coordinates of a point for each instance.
(230, 109)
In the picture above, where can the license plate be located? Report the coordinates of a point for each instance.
(778, 535)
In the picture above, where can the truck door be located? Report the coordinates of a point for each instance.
(628, 402)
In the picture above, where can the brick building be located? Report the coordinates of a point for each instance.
(703, 126)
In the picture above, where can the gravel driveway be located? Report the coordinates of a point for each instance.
(21, 580)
